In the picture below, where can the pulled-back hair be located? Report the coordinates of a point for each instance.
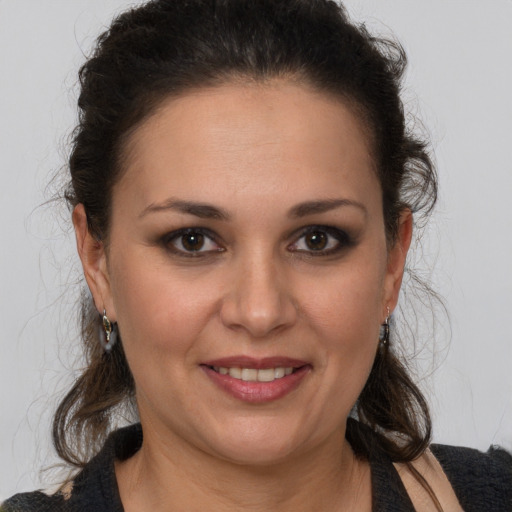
(165, 48)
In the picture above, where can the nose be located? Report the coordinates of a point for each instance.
(258, 299)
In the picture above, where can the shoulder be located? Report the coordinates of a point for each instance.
(481, 481)
(36, 501)
(94, 488)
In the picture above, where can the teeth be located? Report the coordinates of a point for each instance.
(235, 373)
(267, 375)
(253, 375)
(279, 372)
(249, 374)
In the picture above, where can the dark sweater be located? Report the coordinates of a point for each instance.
(482, 481)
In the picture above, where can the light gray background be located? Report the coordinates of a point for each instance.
(459, 83)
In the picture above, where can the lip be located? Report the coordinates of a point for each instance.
(256, 363)
(257, 392)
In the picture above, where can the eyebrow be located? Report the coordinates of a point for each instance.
(208, 211)
(201, 210)
(322, 206)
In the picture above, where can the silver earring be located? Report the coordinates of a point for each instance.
(384, 333)
(108, 333)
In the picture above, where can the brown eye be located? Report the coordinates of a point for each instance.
(321, 241)
(192, 241)
(316, 240)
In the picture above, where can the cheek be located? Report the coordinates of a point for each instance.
(158, 309)
(346, 301)
(345, 314)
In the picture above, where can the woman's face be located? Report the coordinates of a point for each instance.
(247, 242)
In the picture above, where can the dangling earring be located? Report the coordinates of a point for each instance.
(384, 333)
(108, 333)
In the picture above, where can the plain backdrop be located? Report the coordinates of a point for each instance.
(458, 84)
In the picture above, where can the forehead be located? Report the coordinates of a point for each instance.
(253, 138)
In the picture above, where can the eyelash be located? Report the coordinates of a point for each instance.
(342, 237)
(169, 240)
(344, 240)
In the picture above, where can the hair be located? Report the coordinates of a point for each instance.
(165, 48)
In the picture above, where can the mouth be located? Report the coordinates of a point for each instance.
(254, 374)
(256, 381)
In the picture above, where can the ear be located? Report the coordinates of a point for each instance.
(396, 262)
(94, 262)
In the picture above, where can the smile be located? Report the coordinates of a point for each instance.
(255, 375)
(256, 380)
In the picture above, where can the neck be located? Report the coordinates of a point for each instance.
(171, 475)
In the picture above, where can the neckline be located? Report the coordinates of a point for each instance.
(388, 491)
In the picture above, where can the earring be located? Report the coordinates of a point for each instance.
(108, 333)
(384, 333)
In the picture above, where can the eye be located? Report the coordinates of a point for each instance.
(321, 240)
(191, 241)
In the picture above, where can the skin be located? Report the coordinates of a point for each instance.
(256, 152)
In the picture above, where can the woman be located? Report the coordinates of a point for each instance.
(243, 193)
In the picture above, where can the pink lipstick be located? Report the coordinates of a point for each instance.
(256, 380)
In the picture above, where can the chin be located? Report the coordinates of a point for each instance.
(257, 444)
(257, 454)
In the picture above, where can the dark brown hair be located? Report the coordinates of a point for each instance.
(166, 47)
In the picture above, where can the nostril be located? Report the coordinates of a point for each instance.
(258, 302)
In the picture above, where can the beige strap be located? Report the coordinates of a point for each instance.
(428, 466)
